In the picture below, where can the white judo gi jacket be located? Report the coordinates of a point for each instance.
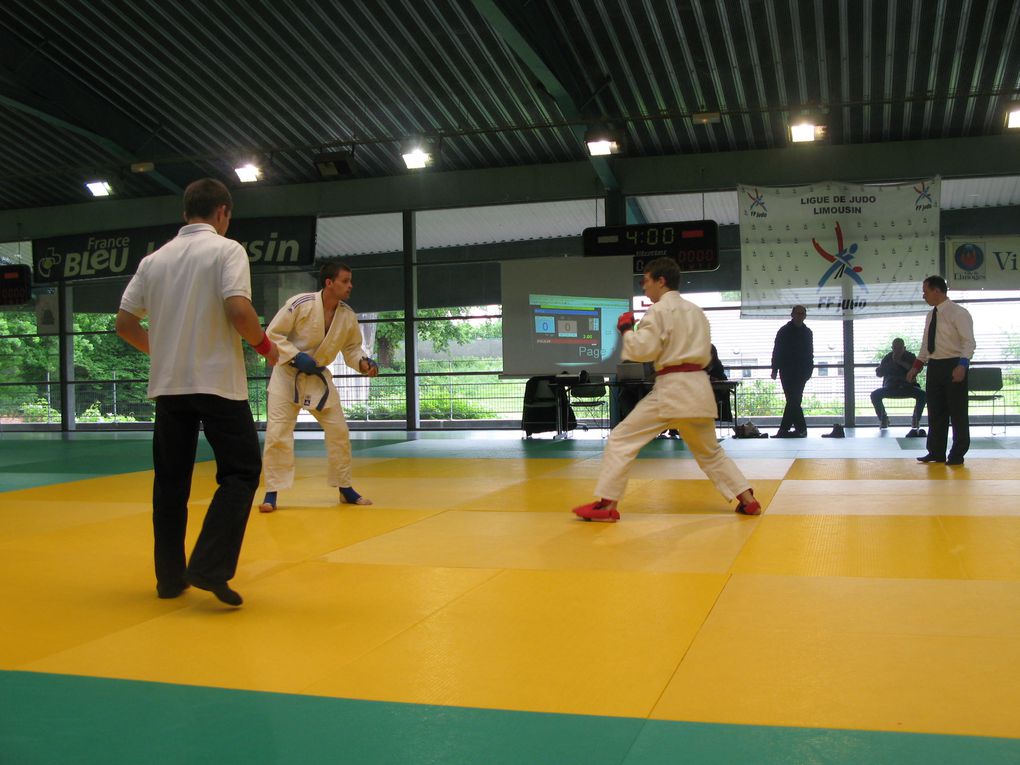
(300, 325)
(674, 331)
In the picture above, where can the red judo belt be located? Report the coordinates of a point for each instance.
(679, 368)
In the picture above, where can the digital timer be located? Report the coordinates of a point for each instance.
(15, 284)
(693, 245)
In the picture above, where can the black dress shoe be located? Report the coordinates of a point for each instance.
(220, 589)
(931, 458)
(954, 461)
(168, 591)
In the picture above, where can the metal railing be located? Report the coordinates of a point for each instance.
(461, 400)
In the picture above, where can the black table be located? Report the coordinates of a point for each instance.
(631, 387)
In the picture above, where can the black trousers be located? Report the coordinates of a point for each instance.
(230, 430)
(899, 391)
(947, 403)
(793, 414)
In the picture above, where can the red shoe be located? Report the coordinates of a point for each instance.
(751, 508)
(597, 511)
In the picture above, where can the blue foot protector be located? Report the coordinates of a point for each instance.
(350, 496)
(269, 503)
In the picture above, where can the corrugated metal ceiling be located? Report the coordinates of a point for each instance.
(87, 87)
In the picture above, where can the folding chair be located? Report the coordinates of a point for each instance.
(592, 395)
(984, 384)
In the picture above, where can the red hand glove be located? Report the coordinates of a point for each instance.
(625, 322)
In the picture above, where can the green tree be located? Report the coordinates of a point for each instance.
(28, 357)
(389, 335)
(1012, 349)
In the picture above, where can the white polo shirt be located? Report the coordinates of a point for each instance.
(193, 348)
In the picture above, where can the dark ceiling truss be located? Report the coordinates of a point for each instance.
(751, 48)
(514, 33)
(195, 86)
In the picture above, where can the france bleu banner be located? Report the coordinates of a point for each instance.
(269, 243)
(843, 250)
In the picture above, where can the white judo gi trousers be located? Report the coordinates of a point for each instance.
(278, 455)
(645, 422)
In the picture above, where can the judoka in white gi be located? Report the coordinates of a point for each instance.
(674, 334)
(310, 330)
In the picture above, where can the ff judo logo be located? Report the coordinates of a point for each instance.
(841, 265)
(924, 200)
(757, 208)
(840, 261)
(969, 263)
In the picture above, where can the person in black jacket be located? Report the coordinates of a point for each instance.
(716, 372)
(793, 359)
(893, 371)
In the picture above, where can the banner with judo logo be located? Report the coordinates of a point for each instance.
(843, 250)
(983, 263)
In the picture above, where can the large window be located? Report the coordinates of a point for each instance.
(459, 317)
(29, 358)
(454, 375)
(372, 245)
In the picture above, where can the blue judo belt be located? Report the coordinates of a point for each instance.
(318, 373)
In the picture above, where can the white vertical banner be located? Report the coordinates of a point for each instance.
(843, 250)
(46, 312)
(983, 263)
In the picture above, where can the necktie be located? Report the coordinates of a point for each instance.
(931, 329)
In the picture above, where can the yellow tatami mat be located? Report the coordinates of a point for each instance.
(703, 544)
(895, 497)
(311, 619)
(866, 596)
(540, 640)
(902, 655)
(906, 469)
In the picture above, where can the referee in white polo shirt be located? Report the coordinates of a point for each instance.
(196, 291)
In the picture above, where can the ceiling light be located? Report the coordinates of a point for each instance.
(603, 148)
(142, 167)
(248, 173)
(99, 188)
(417, 153)
(602, 141)
(706, 118)
(416, 159)
(1013, 116)
(335, 164)
(807, 128)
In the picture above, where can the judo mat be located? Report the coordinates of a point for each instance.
(871, 614)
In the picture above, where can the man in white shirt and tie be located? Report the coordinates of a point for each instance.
(946, 347)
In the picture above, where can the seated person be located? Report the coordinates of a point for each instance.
(893, 371)
(716, 371)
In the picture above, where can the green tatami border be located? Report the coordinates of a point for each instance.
(48, 718)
